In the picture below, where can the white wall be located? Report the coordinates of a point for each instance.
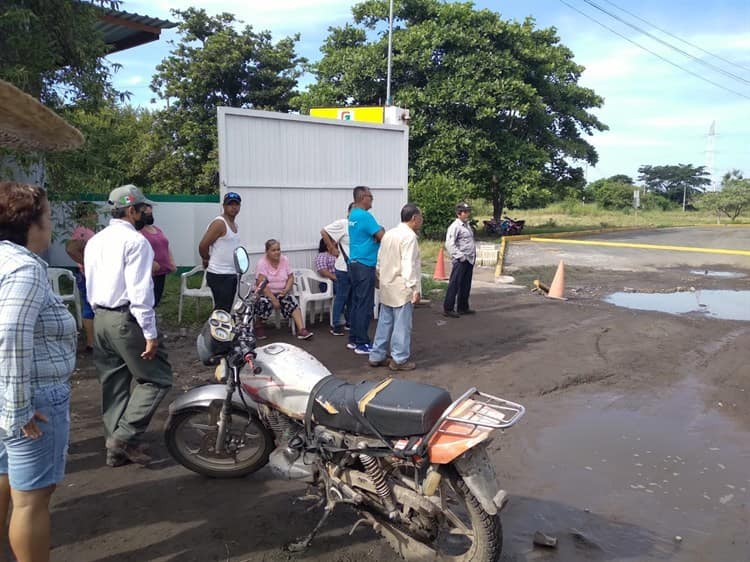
(183, 222)
(296, 174)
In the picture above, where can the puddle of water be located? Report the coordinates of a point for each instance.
(729, 305)
(633, 476)
(720, 274)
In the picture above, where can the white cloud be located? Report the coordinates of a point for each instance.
(134, 80)
(625, 140)
(283, 16)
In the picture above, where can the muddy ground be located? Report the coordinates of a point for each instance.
(634, 447)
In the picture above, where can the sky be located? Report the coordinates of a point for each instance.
(658, 111)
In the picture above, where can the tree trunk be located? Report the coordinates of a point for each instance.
(498, 199)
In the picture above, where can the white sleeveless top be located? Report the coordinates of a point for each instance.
(221, 252)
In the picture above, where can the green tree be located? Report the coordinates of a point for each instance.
(732, 200)
(612, 193)
(437, 195)
(214, 64)
(50, 49)
(114, 152)
(678, 182)
(494, 103)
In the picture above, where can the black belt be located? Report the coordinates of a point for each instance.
(121, 308)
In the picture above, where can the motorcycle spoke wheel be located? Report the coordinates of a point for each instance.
(465, 531)
(191, 440)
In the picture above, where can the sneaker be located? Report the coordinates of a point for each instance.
(405, 366)
(304, 334)
(381, 363)
(351, 345)
(336, 332)
(260, 332)
(451, 314)
(363, 349)
(347, 327)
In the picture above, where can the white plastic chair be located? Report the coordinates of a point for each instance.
(54, 274)
(311, 299)
(204, 291)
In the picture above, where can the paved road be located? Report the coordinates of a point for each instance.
(525, 254)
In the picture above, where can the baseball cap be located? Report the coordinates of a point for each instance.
(232, 196)
(127, 195)
(462, 207)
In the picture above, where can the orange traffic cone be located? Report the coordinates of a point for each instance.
(439, 274)
(558, 283)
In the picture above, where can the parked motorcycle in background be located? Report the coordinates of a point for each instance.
(410, 460)
(505, 227)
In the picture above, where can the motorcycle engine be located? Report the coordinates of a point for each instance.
(291, 464)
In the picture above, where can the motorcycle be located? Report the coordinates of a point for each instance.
(410, 460)
(505, 227)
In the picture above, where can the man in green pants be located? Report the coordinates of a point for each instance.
(134, 371)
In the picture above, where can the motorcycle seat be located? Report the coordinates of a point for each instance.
(393, 407)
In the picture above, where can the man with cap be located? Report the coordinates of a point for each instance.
(459, 243)
(118, 263)
(216, 249)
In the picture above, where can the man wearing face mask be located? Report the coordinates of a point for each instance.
(163, 260)
(118, 264)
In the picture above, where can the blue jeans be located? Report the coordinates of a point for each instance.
(363, 300)
(32, 464)
(342, 301)
(394, 324)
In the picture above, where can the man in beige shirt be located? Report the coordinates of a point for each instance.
(400, 273)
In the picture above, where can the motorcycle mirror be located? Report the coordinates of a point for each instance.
(241, 260)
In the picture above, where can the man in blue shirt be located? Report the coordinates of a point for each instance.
(364, 241)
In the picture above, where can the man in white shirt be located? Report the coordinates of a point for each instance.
(118, 262)
(336, 238)
(400, 274)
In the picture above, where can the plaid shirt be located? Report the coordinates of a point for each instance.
(37, 335)
(325, 261)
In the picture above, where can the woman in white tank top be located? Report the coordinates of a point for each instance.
(216, 249)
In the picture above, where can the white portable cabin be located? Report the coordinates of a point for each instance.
(296, 173)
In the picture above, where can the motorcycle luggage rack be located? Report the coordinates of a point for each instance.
(488, 411)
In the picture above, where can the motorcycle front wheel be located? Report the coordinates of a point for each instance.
(191, 440)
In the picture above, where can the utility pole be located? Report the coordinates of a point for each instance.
(710, 151)
(388, 100)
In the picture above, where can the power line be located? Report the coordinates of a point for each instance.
(657, 55)
(668, 44)
(665, 32)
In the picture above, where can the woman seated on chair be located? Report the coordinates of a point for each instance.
(274, 268)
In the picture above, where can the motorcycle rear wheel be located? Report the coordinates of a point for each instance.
(468, 532)
(464, 532)
(190, 439)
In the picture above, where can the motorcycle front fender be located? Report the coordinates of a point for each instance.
(203, 396)
(477, 472)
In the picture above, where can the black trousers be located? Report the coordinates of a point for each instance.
(223, 287)
(459, 287)
(158, 288)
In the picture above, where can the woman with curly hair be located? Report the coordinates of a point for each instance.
(37, 356)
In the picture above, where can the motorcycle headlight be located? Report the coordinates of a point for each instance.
(221, 325)
(215, 339)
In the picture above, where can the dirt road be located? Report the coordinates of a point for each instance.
(636, 433)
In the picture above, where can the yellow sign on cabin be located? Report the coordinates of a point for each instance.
(363, 114)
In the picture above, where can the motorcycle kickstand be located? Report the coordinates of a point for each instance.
(304, 543)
